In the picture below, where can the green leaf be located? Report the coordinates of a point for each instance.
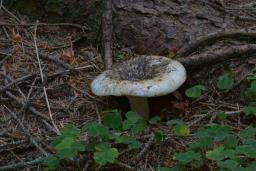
(134, 144)
(133, 117)
(95, 129)
(195, 91)
(67, 153)
(181, 130)
(57, 140)
(64, 144)
(176, 168)
(253, 87)
(103, 146)
(220, 153)
(252, 166)
(112, 119)
(105, 154)
(159, 136)
(154, 120)
(120, 56)
(251, 77)
(174, 122)
(249, 110)
(216, 154)
(202, 143)
(130, 141)
(222, 115)
(249, 132)
(225, 82)
(70, 131)
(187, 157)
(248, 150)
(78, 147)
(134, 122)
(218, 132)
(51, 162)
(228, 164)
(230, 141)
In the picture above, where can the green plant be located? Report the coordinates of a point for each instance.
(195, 91)
(217, 144)
(66, 145)
(251, 91)
(102, 139)
(225, 82)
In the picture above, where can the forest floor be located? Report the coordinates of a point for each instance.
(45, 83)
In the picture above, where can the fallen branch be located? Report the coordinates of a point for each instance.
(242, 35)
(42, 79)
(107, 33)
(30, 108)
(215, 56)
(26, 77)
(144, 150)
(26, 131)
(82, 27)
(22, 164)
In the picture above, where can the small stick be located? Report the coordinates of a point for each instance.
(15, 81)
(5, 58)
(10, 14)
(214, 56)
(107, 33)
(26, 131)
(82, 27)
(22, 164)
(30, 108)
(144, 150)
(241, 34)
(42, 78)
(70, 70)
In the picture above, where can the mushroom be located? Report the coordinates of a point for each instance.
(140, 78)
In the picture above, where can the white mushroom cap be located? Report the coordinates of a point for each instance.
(143, 76)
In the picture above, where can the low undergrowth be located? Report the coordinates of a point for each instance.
(215, 146)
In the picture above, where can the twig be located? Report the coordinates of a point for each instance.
(126, 166)
(30, 108)
(243, 18)
(243, 34)
(22, 164)
(26, 131)
(4, 147)
(70, 70)
(82, 27)
(107, 33)
(97, 112)
(57, 61)
(42, 78)
(5, 58)
(15, 82)
(144, 150)
(214, 56)
(53, 59)
(10, 14)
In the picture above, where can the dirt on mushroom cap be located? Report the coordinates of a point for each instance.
(139, 68)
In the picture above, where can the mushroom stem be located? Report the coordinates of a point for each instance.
(139, 105)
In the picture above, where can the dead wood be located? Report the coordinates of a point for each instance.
(246, 35)
(215, 56)
(107, 33)
(25, 130)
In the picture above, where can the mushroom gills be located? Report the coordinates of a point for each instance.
(139, 105)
